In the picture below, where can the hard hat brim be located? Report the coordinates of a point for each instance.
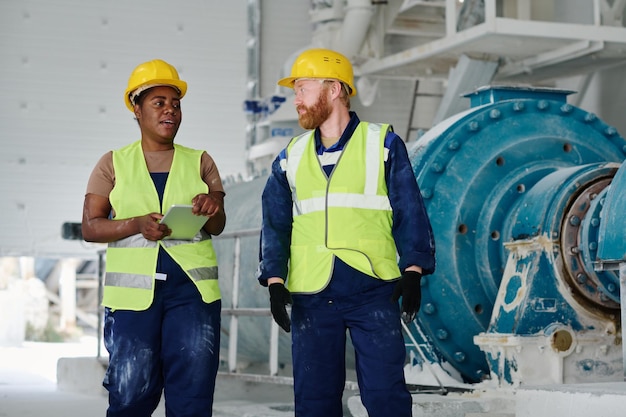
(287, 82)
(290, 81)
(180, 85)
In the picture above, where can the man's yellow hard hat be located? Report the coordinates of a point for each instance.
(321, 63)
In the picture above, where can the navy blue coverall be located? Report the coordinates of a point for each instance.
(171, 348)
(352, 300)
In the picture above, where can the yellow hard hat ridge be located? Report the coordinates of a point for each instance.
(321, 63)
(151, 74)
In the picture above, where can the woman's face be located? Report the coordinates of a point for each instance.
(159, 114)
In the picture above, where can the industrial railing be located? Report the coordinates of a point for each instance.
(235, 312)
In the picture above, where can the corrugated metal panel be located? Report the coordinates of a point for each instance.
(64, 69)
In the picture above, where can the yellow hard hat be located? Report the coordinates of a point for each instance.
(151, 74)
(321, 63)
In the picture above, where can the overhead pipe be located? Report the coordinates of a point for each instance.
(356, 23)
(343, 30)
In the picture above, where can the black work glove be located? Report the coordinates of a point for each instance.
(279, 298)
(409, 288)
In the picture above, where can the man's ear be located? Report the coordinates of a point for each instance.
(335, 89)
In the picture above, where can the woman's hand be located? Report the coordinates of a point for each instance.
(150, 228)
(205, 205)
(212, 206)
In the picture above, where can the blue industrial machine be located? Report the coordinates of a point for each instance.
(523, 194)
(517, 190)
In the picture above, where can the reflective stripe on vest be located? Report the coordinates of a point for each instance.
(131, 262)
(347, 215)
(120, 279)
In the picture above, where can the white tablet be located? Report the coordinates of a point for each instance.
(183, 223)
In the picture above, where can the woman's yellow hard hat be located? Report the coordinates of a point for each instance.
(152, 74)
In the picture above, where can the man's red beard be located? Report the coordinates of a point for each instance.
(316, 114)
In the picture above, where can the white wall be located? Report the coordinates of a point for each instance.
(65, 65)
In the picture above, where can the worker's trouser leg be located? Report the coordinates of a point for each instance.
(172, 347)
(376, 334)
(319, 339)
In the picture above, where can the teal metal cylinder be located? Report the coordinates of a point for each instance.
(474, 170)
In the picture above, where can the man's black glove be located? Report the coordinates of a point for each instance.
(409, 288)
(279, 298)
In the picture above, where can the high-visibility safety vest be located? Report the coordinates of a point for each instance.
(347, 215)
(131, 262)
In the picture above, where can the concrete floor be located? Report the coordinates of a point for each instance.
(29, 388)
(28, 382)
(64, 380)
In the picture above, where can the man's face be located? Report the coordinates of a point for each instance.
(159, 114)
(312, 103)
